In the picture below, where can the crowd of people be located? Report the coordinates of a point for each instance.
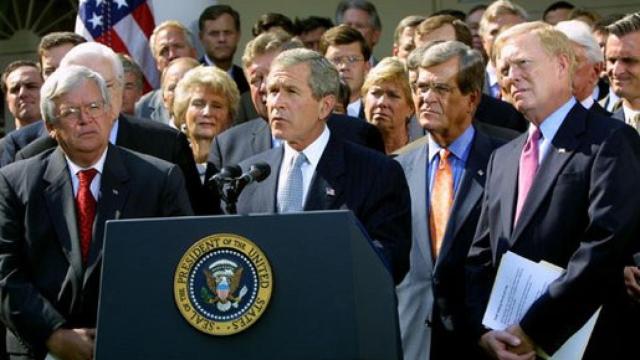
(482, 133)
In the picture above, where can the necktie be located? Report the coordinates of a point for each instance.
(290, 198)
(86, 210)
(441, 201)
(527, 169)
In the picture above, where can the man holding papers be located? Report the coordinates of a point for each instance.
(564, 193)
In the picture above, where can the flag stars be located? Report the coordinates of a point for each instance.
(121, 3)
(96, 20)
(99, 2)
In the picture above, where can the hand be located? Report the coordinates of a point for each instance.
(498, 345)
(631, 276)
(526, 344)
(72, 344)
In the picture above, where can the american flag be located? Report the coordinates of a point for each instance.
(123, 25)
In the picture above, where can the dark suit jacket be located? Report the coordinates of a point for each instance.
(236, 74)
(435, 291)
(45, 285)
(352, 177)
(599, 109)
(253, 137)
(16, 140)
(580, 214)
(153, 139)
(500, 113)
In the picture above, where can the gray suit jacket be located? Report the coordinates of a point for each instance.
(151, 106)
(442, 280)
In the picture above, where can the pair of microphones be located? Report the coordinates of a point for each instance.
(230, 182)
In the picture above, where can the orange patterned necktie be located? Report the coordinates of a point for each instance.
(441, 201)
(86, 210)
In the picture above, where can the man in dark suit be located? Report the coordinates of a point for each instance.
(564, 192)
(327, 173)
(245, 140)
(431, 296)
(219, 27)
(144, 136)
(53, 210)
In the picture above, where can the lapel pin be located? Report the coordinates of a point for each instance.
(562, 150)
(115, 191)
(481, 172)
(331, 192)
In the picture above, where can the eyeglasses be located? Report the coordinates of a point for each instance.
(345, 60)
(439, 89)
(72, 113)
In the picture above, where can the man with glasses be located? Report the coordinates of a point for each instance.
(348, 51)
(53, 209)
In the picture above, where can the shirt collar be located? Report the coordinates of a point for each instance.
(629, 113)
(113, 135)
(460, 147)
(492, 75)
(552, 123)
(98, 165)
(353, 109)
(313, 152)
(587, 103)
(210, 62)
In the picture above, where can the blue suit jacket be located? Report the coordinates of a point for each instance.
(16, 140)
(581, 214)
(352, 177)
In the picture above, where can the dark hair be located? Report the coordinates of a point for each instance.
(463, 34)
(215, 11)
(11, 67)
(311, 23)
(269, 20)
(344, 35)
(626, 25)
(369, 8)
(476, 8)
(460, 15)
(56, 39)
(557, 6)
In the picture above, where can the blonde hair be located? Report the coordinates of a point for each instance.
(389, 70)
(497, 9)
(272, 41)
(553, 41)
(212, 78)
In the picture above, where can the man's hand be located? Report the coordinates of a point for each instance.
(526, 344)
(72, 344)
(631, 276)
(500, 344)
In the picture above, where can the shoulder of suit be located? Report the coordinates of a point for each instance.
(142, 163)
(28, 167)
(243, 129)
(265, 156)
(146, 125)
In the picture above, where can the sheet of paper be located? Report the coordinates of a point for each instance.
(519, 282)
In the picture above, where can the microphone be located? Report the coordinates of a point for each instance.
(228, 173)
(257, 172)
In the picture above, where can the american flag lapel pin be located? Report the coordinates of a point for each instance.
(562, 150)
(115, 192)
(331, 192)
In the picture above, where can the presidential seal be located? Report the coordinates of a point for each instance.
(223, 284)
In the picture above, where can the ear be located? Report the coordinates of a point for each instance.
(395, 50)
(563, 62)
(325, 107)
(474, 100)
(50, 129)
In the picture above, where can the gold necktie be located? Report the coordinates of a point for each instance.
(441, 201)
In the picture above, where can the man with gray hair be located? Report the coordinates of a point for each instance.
(147, 137)
(316, 170)
(589, 64)
(252, 137)
(444, 176)
(362, 16)
(53, 209)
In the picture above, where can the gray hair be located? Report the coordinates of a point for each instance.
(369, 8)
(471, 68)
(580, 33)
(415, 57)
(323, 77)
(61, 82)
(130, 66)
(626, 25)
(497, 9)
(93, 50)
(165, 25)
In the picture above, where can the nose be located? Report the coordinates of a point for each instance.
(22, 91)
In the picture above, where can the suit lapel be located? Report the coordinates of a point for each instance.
(263, 195)
(261, 140)
(506, 175)
(563, 145)
(122, 137)
(419, 187)
(113, 194)
(618, 114)
(325, 191)
(60, 201)
(470, 190)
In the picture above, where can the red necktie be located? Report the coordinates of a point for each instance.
(527, 169)
(441, 201)
(86, 210)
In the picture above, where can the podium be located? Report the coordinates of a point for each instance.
(332, 297)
